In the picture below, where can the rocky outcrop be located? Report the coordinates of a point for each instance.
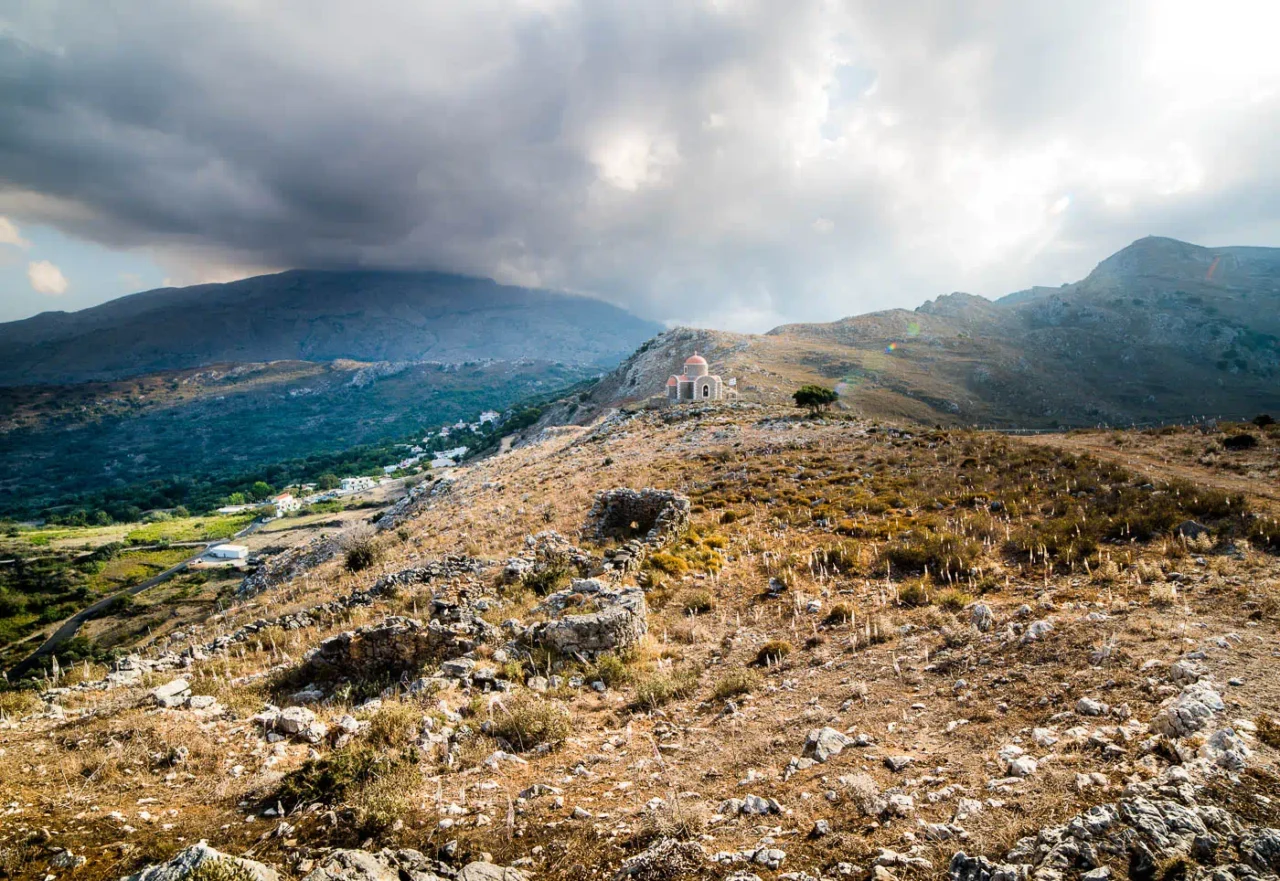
(187, 860)
(653, 514)
(288, 565)
(616, 619)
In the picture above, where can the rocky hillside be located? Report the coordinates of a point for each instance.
(709, 643)
(1160, 331)
(306, 315)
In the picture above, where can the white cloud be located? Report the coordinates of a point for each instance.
(46, 278)
(9, 234)
(728, 165)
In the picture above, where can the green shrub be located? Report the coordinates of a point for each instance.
(393, 725)
(329, 779)
(1240, 442)
(361, 549)
(223, 869)
(667, 563)
(18, 702)
(840, 613)
(953, 600)
(931, 551)
(612, 670)
(914, 593)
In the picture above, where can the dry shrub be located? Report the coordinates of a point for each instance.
(527, 722)
(18, 703)
(674, 818)
(689, 632)
(393, 725)
(657, 689)
(1268, 730)
(1106, 572)
(876, 630)
(772, 652)
(734, 683)
(360, 548)
(698, 602)
(840, 613)
(863, 794)
(1163, 595)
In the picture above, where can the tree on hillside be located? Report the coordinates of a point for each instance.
(328, 480)
(261, 490)
(815, 397)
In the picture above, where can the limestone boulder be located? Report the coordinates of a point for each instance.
(187, 860)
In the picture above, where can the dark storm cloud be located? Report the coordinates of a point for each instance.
(733, 163)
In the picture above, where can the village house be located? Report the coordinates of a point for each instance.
(356, 484)
(285, 503)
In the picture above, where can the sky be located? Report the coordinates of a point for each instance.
(726, 163)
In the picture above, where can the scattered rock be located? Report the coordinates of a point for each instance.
(823, 743)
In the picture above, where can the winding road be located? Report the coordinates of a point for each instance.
(72, 625)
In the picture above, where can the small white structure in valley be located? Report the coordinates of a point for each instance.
(227, 552)
(696, 383)
(357, 484)
(221, 557)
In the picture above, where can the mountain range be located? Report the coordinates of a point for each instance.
(308, 315)
(224, 379)
(1160, 331)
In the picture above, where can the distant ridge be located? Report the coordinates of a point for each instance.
(312, 315)
(1161, 330)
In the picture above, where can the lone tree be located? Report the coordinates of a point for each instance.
(815, 397)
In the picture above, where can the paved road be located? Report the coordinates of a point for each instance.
(71, 626)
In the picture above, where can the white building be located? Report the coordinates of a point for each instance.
(285, 503)
(489, 416)
(235, 509)
(227, 552)
(695, 384)
(222, 557)
(357, 484)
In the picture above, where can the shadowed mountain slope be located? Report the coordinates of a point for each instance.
(309, 315)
